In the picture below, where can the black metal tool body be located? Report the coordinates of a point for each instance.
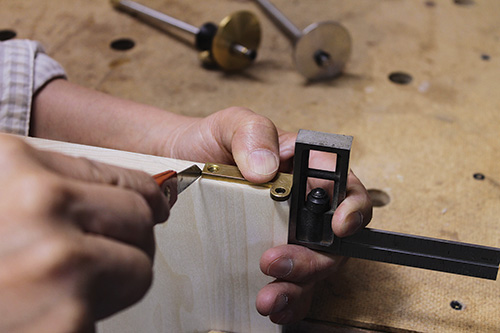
(311, 214)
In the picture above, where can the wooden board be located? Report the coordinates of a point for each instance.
(419, 143)
(206, 271)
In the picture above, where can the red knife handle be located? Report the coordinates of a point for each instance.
(168, 184)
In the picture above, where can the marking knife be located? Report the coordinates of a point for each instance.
(172, 183)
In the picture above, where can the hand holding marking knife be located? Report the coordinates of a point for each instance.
(77, 238)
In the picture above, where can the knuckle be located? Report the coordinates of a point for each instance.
(57, 256)
(42, 193)
(96, 171)
(320, 267)
(11, 149)
(261, 127)
(250, 117)
(231, 111)
(314, 267)
(257, 120)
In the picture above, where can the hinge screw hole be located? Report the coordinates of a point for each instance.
(213, 168)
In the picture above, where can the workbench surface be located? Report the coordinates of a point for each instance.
(417, 146)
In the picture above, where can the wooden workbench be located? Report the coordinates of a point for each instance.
(418, 145)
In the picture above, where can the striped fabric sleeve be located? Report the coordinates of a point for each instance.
(24, 69)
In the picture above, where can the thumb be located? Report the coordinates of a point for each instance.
(255, 146)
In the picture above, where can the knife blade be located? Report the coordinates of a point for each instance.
(173, 183)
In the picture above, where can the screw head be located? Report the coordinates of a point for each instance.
(318, 201)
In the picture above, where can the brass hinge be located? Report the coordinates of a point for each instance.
(281, 185)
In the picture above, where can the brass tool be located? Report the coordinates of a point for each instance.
(321, 50)
(280, 186)
(232, 45)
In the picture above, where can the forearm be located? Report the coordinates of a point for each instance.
(67, 112)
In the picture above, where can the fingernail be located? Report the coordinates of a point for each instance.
(280, 267)
(263, 162)
(280, 303)
(353, 222)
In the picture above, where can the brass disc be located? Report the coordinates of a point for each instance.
(331, 40)
(238, 31)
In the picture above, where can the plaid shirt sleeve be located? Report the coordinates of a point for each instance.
(24, 68)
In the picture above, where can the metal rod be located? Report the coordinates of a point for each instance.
(151, 14)
(321, 57)
(422, 252)
(280, 20)
(240, 49)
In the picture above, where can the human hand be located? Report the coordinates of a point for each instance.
(77, 239)
(298, 269)
(230, 136)
(234, 135)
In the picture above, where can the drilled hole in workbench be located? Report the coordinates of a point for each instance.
(122, 44)
(379, 198)
(464, 2)
(7, 34)
(456, 305)
(400, 78)
(479, 176)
